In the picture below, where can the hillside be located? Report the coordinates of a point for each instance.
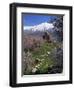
(43, 48)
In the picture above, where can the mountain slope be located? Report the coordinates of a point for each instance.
(41, 27)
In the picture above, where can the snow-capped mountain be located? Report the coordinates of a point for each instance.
(41, 27)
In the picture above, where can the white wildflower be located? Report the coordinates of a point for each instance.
(48, 52)
(42, 59)
(36, 66)
(34, 70)
(38, 58)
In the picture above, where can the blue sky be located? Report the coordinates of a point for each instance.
(35, 19)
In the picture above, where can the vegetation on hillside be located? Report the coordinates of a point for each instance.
(42, 55)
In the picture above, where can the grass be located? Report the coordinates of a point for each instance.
(41, 59)
(43, 54)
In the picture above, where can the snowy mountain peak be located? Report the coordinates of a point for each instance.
(41, 27)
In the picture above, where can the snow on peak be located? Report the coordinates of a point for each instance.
(41, 27)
